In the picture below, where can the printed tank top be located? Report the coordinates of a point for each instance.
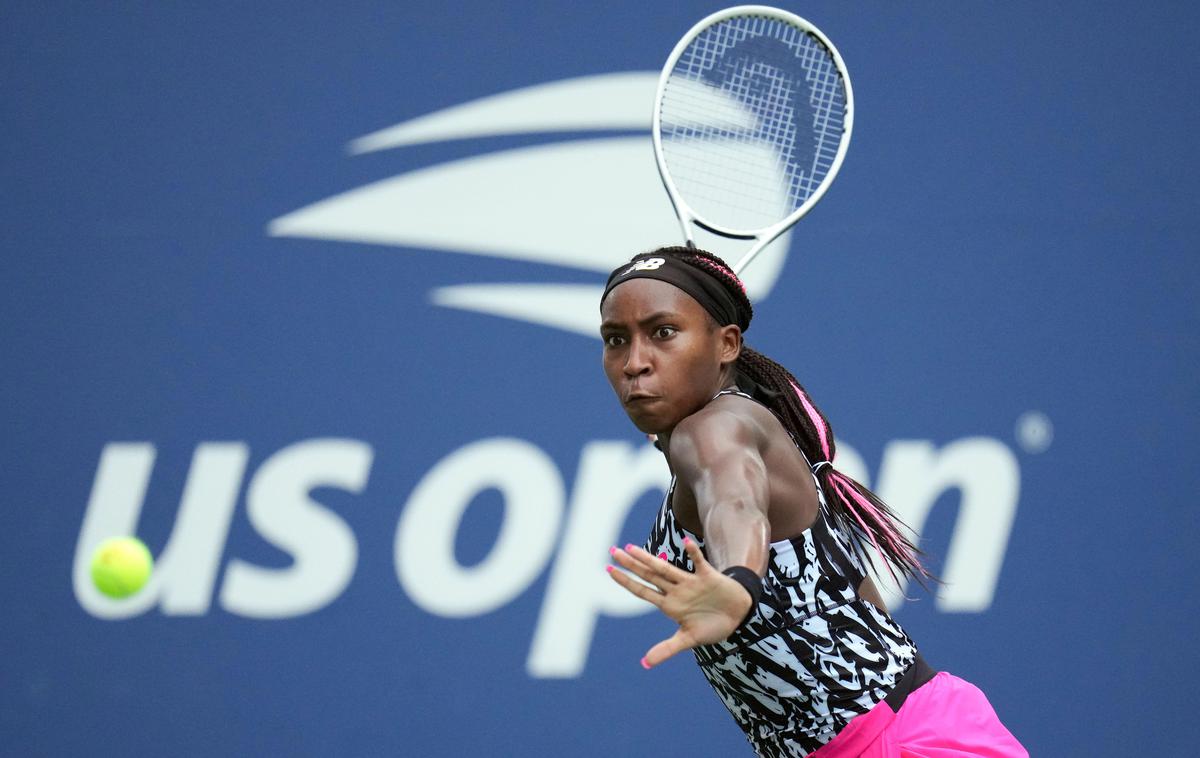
(813, 655)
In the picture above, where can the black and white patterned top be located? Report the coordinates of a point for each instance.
(813, 655)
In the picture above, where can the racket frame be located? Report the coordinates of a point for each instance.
(686, 215)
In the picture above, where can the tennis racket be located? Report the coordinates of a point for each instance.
(751, 123)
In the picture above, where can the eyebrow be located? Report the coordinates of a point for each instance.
(656, 316)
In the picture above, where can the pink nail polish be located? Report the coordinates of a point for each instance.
(628, 548)
(609, 569)
(662, 556)
(687, 540)
(612, 551)
(645, 664)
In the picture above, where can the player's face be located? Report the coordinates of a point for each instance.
(664, 356)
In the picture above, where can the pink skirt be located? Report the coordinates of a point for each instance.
(946, 717)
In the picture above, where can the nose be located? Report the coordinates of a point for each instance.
(637, 360)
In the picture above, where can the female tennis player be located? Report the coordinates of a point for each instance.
(759, 551)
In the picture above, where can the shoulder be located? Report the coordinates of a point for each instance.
(728, 425)
(727, 413)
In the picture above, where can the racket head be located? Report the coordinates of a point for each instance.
(751, 122)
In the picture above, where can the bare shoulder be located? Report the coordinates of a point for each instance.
(727, 425)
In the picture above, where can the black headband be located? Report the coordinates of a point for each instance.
(702, 286)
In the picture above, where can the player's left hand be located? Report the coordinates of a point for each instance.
(707, 605)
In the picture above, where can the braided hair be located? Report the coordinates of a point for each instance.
(860, 513)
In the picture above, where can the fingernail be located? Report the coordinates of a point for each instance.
(612, 551)
(662, 556)
(645, 664)
(609, 569)
(628, 548)
(687, 540)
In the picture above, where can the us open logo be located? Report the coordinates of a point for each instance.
(522, 203)
(549, 526)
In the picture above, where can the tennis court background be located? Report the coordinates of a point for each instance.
(1002, 279)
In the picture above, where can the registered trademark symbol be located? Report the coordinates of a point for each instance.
(1034, 431)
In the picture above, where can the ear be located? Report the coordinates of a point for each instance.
(730, 343)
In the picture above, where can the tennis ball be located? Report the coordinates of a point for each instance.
(121, 566)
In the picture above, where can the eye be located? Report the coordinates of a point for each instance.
(614, 340)
(665, 332)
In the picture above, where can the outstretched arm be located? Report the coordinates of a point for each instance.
(716, 457)
(706, 604)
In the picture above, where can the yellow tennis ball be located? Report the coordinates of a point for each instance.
(121, 566)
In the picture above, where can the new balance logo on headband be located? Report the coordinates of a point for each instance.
(650, 264)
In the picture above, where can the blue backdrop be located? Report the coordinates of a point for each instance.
(302, 294)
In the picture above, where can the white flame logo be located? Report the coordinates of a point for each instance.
(587, 204)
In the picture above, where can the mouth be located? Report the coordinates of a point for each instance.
(639, 397)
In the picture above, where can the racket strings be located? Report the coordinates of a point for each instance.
(752, 117)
